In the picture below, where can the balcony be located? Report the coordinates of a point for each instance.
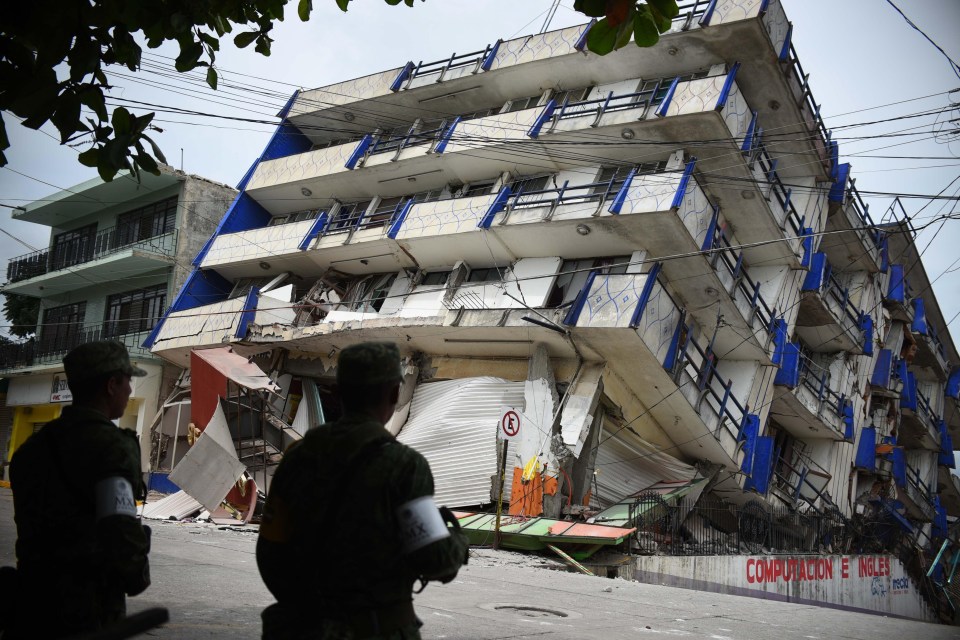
(381, 164)
(49, 353)
(852, 242)
(915, 494)
(88, 260)
(827, 321)
(930, 360)
(808, 403)
(897, 296)
(919, 425)
(799, 479)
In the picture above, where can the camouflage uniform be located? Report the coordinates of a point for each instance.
(337, 493)
(73, 569)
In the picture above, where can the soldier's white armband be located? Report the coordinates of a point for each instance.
(420, 524)
(115, 497)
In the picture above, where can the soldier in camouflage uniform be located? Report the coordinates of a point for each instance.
(350, 525)
(80, 545)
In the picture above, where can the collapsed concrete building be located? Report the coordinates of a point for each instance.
(654, 261)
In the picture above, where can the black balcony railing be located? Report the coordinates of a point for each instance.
(51, 351)
(83, 249)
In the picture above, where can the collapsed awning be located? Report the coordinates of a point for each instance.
(237, 368)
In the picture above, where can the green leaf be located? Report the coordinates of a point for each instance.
(263, 45)
(602, 38)
(645, 32)
(190, 52)
(156, 150)
(243, 40)
(304, 8)
(90, 157)
(212, 78)
(121, 121)
(663, 23)
(668, 8)
(591, 8)
(624, 31)
(148, 163)
(343, 4)
(92, 97)
(180, 22)
(67, 116)
(209, 40)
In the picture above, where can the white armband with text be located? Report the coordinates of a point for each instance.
(115, 497)
(420, 524)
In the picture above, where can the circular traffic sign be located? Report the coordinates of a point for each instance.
(510, 423)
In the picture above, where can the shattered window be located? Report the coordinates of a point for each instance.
(574, 273)
(435, 279)
(370, 293)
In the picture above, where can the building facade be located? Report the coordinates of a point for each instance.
(655, 257)
(118, 252)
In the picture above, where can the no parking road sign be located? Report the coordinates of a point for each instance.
(509, 423)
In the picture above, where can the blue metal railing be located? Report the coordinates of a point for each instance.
(413, 137)
(923, 492)
(475, 59)
(351, 218)
(732, 260)
(612, 102)
(819, 385)
(564, 194)
(924, 408)
(841, 295)
(782, 194)
(795, 69)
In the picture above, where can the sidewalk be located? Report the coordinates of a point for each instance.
(208, 579)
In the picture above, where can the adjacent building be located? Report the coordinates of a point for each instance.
(655, 258)
(118, 251)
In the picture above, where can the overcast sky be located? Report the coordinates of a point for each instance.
(860, 54)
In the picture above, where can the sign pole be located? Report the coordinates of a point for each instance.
(501, 474)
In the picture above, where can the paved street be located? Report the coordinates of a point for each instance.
(208, 579)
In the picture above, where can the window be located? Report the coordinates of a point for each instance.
(347, 216)
(370, 293)
(336, 142)
(146, 222)
(519, 104)
(574, 273)
(383, 212)
(243, 285)
(615, 173)
(480, 188)
(428, 196)
(73, 247)
(435, 279)
(664, 85)
(536, 183)
(134, 311)
(489, 274)
(482, 113)
(570, 96)
(296, 216)
(62, 327)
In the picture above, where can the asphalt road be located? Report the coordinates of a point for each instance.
(207, 578)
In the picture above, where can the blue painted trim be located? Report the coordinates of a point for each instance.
(908, 396)
(945, 456)
(670, 360)
(711, 230)
(401, 77)
(866, 457)
(834, 158)
(682, 187)
(488, 61)
(662, 109)
(244, 214)
(708, 13)
(582, 40)
(816, 276)
(839, 187)
(727, 85)
(846, 411)
(445, 138)
(759, 479)
(246, 177)
(398, 223)
(495, 207)
(318, 224)
(574, 313)
(621, 196)
(788, 375)
(645, 295)
(747, 145)
(884, 253)
(952, 388)
(289, 105)
(159, 481)
(200, 288)
(545, 115)
(749, 430)
(899, 467)
(361, 149)
(866, 326)
(248, 314)
(763, 7)
(919, 324)
(785, 49)
(807, 258)
(882, 369)
(286, 141)
(779, 331)
(896, 291)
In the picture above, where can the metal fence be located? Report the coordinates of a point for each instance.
(711, 527)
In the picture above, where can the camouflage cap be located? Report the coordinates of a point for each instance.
(98, 358)
(369, 363)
